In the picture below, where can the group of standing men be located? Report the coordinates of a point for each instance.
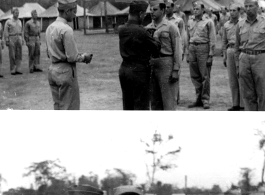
(13, 36)
(150, 79)
(156, 79)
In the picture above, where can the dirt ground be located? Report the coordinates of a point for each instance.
(98, 81)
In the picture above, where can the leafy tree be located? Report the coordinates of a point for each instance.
(245, 182)
(163, 189)
(92, 180)
(216, 189)
(46, 171)
(118, 178)
(158, 159)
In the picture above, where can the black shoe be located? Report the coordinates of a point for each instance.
(242, 108)
(19, 72)
(13, 73)
(1, 76)
(196, 104)
(31, 71)
(38, 70)
(234, 108)
(206, 106)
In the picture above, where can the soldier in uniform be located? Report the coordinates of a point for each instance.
(250, 56)
(1, 47)
(201, 41)
(136, 48)
(166, 67)
(224, 17)
(32, 38)
(63, 53)
(14, 41)
(179, 22)
(229, 37)
(179, 13)
(242, 14)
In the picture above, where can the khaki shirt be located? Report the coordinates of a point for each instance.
(61, 46)
(229, 34)
(169, 37)
(250, 35)
(31, 29)
(12, 27)
(202, 31)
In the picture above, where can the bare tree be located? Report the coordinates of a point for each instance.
(262, 147)
(157, 158)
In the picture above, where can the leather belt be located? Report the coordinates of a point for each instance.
(18, 34)
(165, 55)
(194, 43)
(231, 45)
(252, 52)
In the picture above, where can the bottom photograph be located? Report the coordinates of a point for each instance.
(133, 154)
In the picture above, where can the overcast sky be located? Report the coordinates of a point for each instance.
(215, 145)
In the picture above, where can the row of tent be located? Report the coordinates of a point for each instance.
(95, 16)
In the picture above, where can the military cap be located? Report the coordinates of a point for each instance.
(66, 4)
(84, 190)
(155, 2)
(138, 6)
(33, 11)
(128, 189)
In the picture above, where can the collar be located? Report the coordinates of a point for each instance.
(256, 20)
(231, 21)
(201, 19)
(172, 17)
(61, 19)
(163, 22)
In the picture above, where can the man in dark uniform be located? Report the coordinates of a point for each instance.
(136, 48)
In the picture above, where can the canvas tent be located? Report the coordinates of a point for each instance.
(52, 13)
(99, 14)
(24, 12)
(227, 3)
(186, 5)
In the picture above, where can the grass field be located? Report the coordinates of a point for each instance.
(98, 81)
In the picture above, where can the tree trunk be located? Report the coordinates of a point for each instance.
(262, 173)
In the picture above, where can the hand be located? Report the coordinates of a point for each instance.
(187, 58)
(209, 61)
(87, 58)
(174, 76)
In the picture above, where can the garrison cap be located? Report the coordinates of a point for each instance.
(155, 2)
(138, 6)
(66, 4)
(84, 190)
(33, 11)
(128, 189)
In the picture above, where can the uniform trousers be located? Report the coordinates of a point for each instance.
(163, 91)
(237, 97)
(15, 52)
(34, 52)
(62, 78)
(134, 80)
(199, 71)
(252, 80)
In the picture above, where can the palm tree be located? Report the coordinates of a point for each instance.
(262, 147)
